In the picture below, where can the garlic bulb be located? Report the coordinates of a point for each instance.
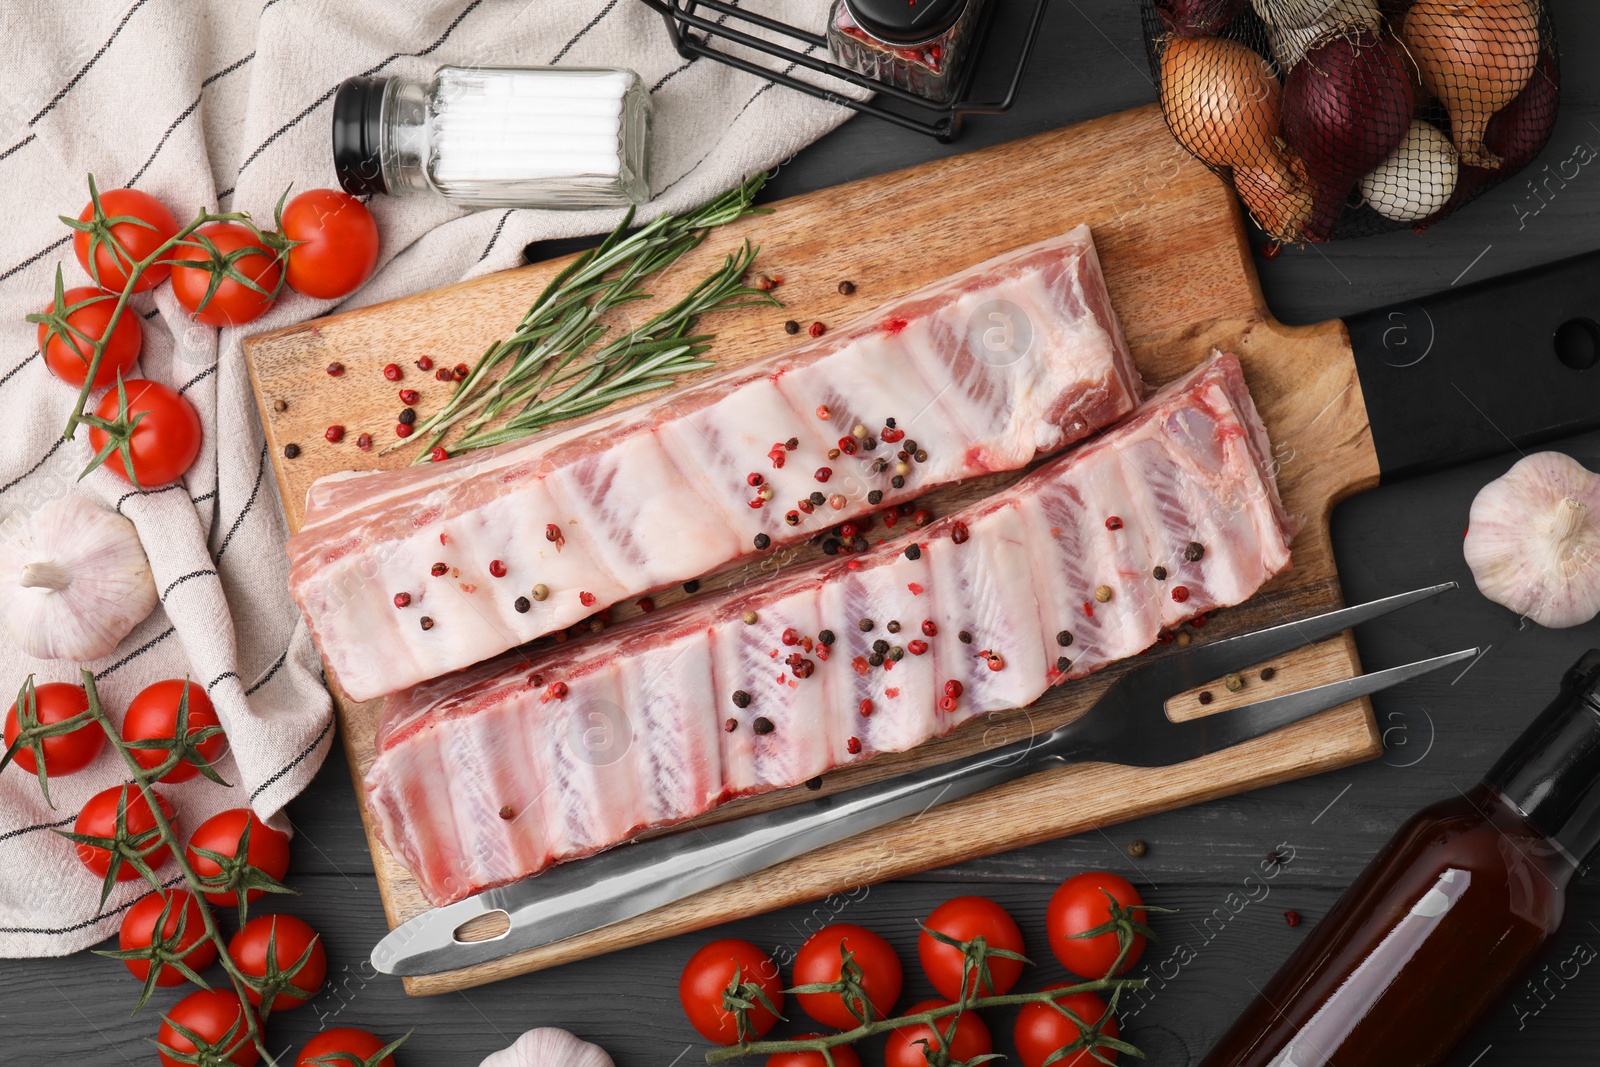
(73, 581)
(549, 1047)
(1418, 179)
(1534, 540)
(1290, 40)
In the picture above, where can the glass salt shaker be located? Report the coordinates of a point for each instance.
(921, 47)
(546, 137)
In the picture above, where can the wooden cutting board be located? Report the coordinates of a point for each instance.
(1173, 244)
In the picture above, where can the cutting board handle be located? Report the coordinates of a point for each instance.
(1507, 363)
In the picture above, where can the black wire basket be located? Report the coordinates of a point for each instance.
(709, 27)
(1344, 118)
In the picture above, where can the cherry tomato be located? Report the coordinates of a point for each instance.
(906, 1048)
(139, 930)
(68, 356)
(99, 819)
(233, 303)
(1042, 1031)
(138, 241)
(67, 753)
(340, 243)
(269, 850)
(209, 1014)
(843, 1056)
(153, 715)
(707, 975)
(166, 441)
(819, 960)
(291, 938)
(966, 918)
(1079, 905)
(329, 1048)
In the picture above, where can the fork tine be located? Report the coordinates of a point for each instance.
(1202, 663)
(1252, 720)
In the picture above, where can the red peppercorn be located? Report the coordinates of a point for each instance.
(847, 445)
(364, 442)
(559, 690)
(959, 533)
(1292, 918)
(929, 628)
(777, 456)
(391, 371)
(952, 688)
(758, 503)
(817, 329)
(823, 413)
(1199, 621)
(497, 568)
(806, 506)
(443, 374)
(461, 371)
(646, 604)
(552, 532)
(848, 531)
(921, 517)
(754, 479)
(804, 668)
(823, 474)
(334, 434)
(1270, 250)
(402, 599)
(790, 636)
(439, 569)
(424, 363)
(996, 661)
(837, 501)
(437, 454)
(402, 429)
(586, 598)
(890, 517)
(890, 436)
(335, 369)
(866, 708)
(1180, 593)
(853, 746)
(730, 725)
(947, 703)
(1113, 523)
(409, 396)
(917, 647)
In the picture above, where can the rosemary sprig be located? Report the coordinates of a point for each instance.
(515, 374)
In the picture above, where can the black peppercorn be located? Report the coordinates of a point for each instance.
(427, 623)
(893, 626)
(1195, 552)
(880, 646)
(909, 448)
(875, 497)
(814, 783)
(522, 605)
(763, 542)
(741, 699)
(762, 725)
(846, 288)
(791, 327)
(966, 638)
(889, 423)
(792, 443)
(876, 659)
(1268, 673)
(1063, 664)
(692, 585)
(1205, 697)
(825, 637)
(898, 481)
(408, 416)
(913, 552)
(897, 653)
(921, 455)
(817, 499)
(1064, 638)
(865, 625)
(830, 547)
(1160, 574)
(291, 451)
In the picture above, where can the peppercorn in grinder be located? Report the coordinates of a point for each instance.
(1447, 917)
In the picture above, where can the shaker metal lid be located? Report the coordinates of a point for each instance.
(357, 129)
(906, 22)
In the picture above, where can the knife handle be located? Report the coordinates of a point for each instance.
(1472, 372)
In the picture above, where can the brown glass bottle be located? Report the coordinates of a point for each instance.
(1449, 914)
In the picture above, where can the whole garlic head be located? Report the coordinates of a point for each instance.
(549, 1047)
(1534, 540)
(73, 581)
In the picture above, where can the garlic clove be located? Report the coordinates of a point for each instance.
(549, 1047)
(74, 581)
(1534, 540)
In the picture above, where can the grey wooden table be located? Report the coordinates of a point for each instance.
(1440, 734)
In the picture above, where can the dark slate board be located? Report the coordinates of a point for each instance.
(1440, 733)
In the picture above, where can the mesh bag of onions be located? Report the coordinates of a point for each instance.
(1342, 118)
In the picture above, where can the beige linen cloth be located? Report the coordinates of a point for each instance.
(224, 104)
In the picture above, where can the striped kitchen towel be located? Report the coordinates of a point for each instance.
(224, 104)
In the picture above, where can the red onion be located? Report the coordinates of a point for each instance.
(1346, 107)
(1516, 134)
(1197, 18)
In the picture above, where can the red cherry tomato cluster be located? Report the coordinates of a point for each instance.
(166, 936)
(731, 990)
(223, 274)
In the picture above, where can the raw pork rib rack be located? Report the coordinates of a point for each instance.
(985, 370)
(498, 772)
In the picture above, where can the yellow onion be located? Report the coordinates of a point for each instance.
(1475, 56)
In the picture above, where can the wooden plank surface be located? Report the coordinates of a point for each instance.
(1172, 244)
(1439, 735)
